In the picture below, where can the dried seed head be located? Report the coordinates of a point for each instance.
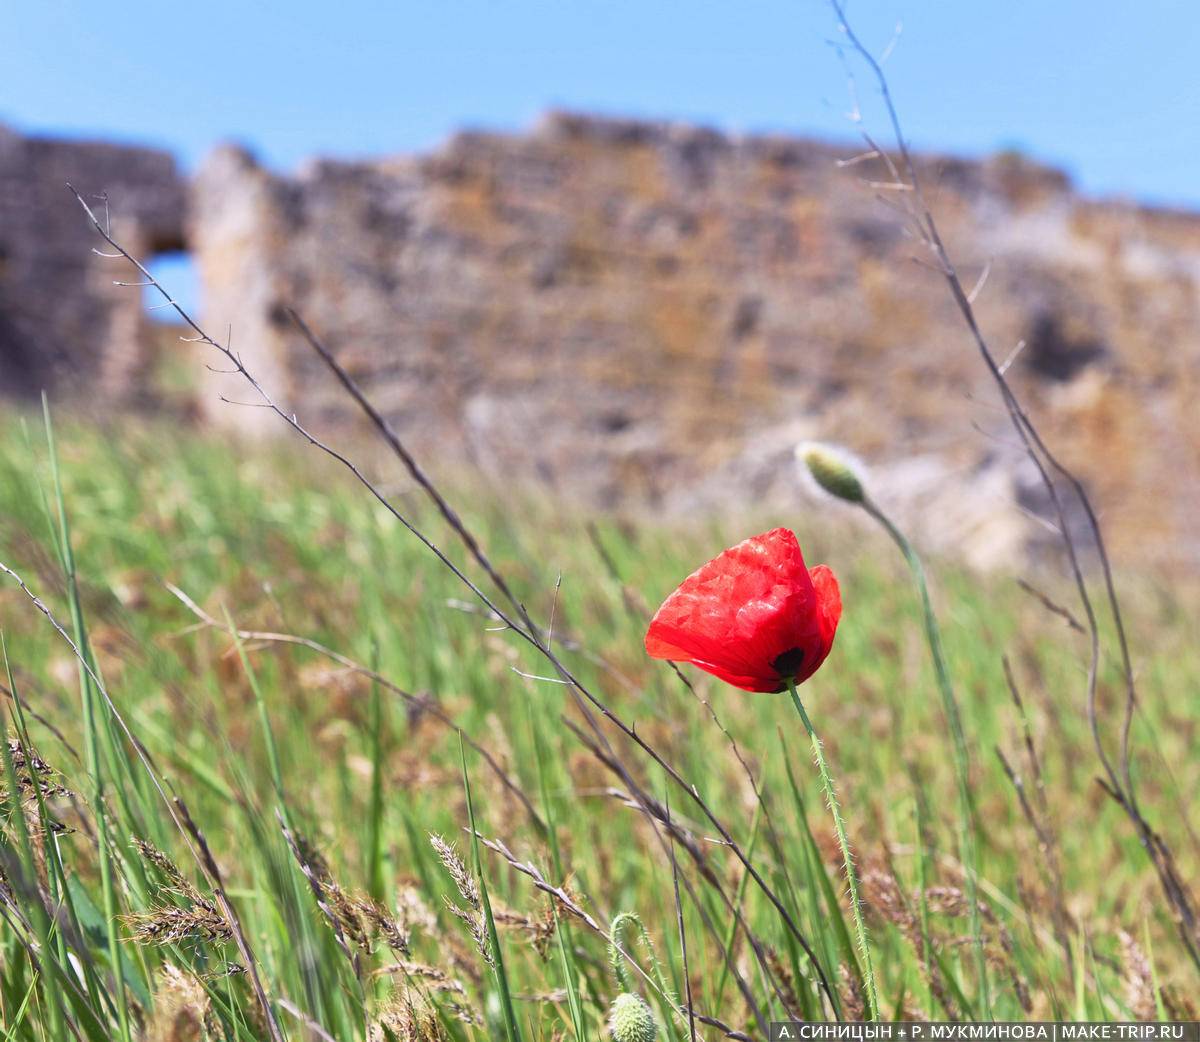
(177, 883)
(393, 932)
(468, 889)
(413, 913)
(833, 469)
(477, 924)
(539, 931)
(1139, 979)
(170, 924)
(458, 871)
(435, 978)
(197, 919)
(34, 777)
(408, 1018)
(787, 989)
(22, 762)
(630, 1019)
(356, 917)
(181, 1008)
(853, 1003)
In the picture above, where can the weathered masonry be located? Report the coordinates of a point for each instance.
(653, 314)
(64, 326)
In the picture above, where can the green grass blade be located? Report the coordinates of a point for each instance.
(511, 1027)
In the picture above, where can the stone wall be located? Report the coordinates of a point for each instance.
(64, 327)
(652, 314)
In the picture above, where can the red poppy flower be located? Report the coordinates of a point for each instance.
(754, 616)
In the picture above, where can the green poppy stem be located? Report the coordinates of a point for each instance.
(860, 929)
(967, 838)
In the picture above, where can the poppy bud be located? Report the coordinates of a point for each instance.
(630, 1019)
(833, 470)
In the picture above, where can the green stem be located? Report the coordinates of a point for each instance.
(512, 1026)
(375, 813)
(967, 838)
(860, 929)
(91, 725)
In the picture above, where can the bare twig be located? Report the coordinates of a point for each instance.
(1051, 606)
(413, 467)
(687, 975)
(585, 700)
(1118, 776)
(432, 708)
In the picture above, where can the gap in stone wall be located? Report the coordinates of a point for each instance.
(176, 270)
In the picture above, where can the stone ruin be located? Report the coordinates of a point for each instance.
(649, 314)
(64, 326)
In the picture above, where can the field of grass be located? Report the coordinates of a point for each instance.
(320, 784)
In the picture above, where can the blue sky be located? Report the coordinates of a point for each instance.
(1109, 89)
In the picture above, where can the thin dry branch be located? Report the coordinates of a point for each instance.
(687, 974)
(587, 702)
(1118, 781)
(432, 708)
(388, 432)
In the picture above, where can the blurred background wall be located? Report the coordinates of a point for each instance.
(646, 316)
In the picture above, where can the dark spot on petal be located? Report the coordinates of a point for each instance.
(788, 664)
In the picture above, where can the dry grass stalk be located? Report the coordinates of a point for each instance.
(472, 915)
(408, 1018)
(355, 917)
(1139, 981)
(854, 1007)
(435, 979)
(1056, 478)
(197, 918)
(539, 931)
(182, 1010)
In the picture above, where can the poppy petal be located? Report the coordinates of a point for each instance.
(829, 599)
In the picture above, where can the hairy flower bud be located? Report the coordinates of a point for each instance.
(834, 470)
(630, 1019)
